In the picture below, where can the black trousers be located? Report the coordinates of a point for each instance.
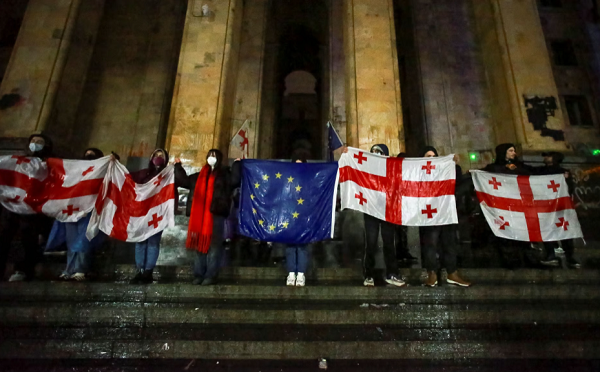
(29, 227)
(372, 226)
(401, 242)
(439, 240)
(567, 245)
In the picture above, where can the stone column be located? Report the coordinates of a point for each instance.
(517, 64)
(373, 103)
(36, 65)
(201, 111)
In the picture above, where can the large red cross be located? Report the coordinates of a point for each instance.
(428, 167)
(495, 183)
(69, 211)
(155, 220)
(395, 187)
(429, 212)
(361, 157)
(527, 205)
(554, 186)
(21, 159)
(244, 142)
(361, 199)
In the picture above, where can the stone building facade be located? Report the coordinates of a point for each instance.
(461, 75)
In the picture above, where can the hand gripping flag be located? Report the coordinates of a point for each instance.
(527, 208)
(240, 142)
(404, 191)
(289, 203)
(63, 189)
(133, 212)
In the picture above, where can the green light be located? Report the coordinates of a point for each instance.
(596, 152)
(473, 156)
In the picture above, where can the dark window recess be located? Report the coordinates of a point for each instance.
(578, 110)
(563, 53)
(551, 3)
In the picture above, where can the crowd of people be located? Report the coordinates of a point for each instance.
(214, 193)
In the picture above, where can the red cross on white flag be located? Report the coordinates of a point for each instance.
(404, 191)
(240, 144)
(133, 212)
(527, 208)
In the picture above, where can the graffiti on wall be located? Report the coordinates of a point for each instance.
(586, 197)
(539, 109)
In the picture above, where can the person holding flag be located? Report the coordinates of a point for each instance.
(208, 205)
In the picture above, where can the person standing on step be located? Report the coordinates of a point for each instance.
(440, 241)
(296, 255)
(388, 230)
(208, 205)
(79, 248)
(553, 161)
(32, 228)
(507, 162)
(147, 251)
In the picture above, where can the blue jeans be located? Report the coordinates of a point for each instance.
(146, 252)
(207, 265)
(79, 249)
(296, 258)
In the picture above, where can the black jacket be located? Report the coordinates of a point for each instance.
(501, 165)
(226, 180)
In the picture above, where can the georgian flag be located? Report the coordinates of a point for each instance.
(133, 212)
(62, 189)
(527, 208)
(240, 143)
(404, 191)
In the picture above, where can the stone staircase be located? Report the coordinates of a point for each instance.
(523, 319)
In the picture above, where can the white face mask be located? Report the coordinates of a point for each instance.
(211, 161)
(35, 147)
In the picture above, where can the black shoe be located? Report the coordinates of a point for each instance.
(407, 258)
(550, 262)
(209, 281)
(197, 280)
(137, 279)
(147, 277)
(573, 264)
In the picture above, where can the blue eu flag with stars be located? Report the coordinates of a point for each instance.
(292, 203)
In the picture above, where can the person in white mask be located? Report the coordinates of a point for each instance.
(32, 228)
(208, 205)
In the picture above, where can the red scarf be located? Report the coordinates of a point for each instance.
(200, 227)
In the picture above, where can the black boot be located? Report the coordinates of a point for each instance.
(147, 277)
(137, 279)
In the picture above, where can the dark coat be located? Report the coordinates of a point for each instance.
(501, 165)
(145, 175)
(226, 180)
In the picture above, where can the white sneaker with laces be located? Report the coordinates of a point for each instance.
(300, 280)
(18, 276)
(291, 279)
(395, 281)
(369, 282)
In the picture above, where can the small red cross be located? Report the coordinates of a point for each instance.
(87, 171)
(360, 157)
(13, 200)
(554, 186)
(159, 179)
(428, 167)
(495, 183)
(361, 199)
(244, 139)
(69, 211)
(502, 223)
(155, 220)
(564, 224)
(21, 159)
(429, 212)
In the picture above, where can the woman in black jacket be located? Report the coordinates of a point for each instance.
(208, 205)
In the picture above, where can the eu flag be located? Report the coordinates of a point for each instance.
(292, 203)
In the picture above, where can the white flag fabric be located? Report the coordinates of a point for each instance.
(133, 212)
(240, 142)
(62, 189)
(404, 191)
(527, 208)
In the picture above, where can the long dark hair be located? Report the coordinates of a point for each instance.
(218, 155)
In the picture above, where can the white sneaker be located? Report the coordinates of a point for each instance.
(395, 281)
(18, 276)
(80, 277)
(369, 282)
(291, 279)
(300, 280)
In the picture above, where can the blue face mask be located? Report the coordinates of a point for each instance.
(35, 147)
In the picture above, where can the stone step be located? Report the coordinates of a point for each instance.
(414, 276)
(295, 350)
(178, 292)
